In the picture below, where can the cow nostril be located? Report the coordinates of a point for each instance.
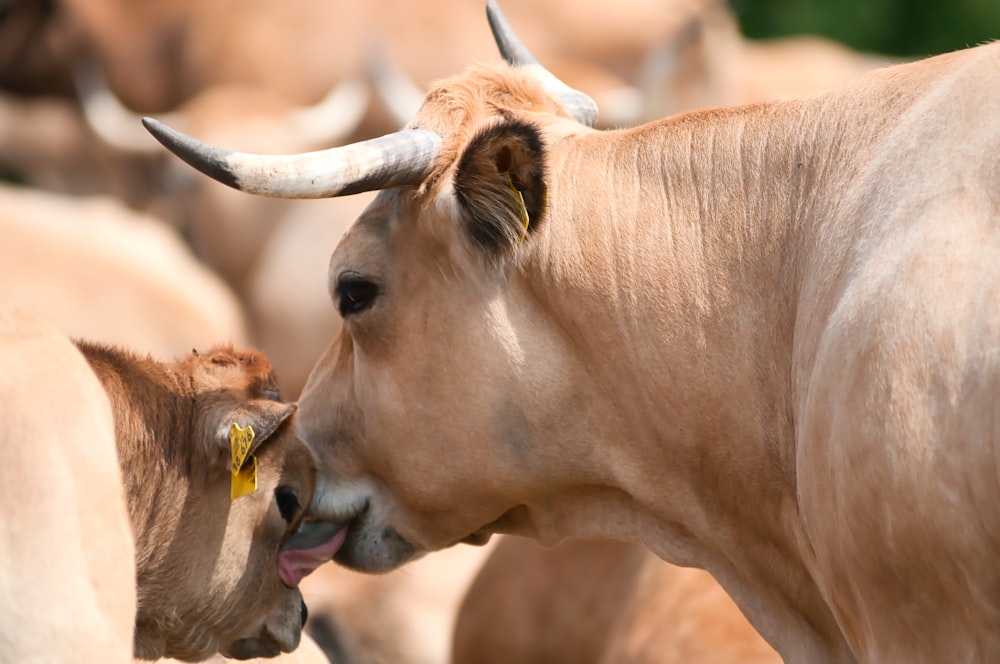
(305, 614)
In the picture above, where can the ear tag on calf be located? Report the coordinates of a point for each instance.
(524, 208)
(244, 464)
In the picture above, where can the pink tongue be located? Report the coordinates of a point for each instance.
(296, 564)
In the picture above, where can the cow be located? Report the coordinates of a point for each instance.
(172, 552)
(68, 572)
(215, 482)
(758, 340)
(598, 602)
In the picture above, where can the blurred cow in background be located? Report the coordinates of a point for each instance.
(599, 602)
(98, 270)
(707, 62)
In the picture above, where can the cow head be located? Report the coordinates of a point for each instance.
(226, 581)
(448, 407)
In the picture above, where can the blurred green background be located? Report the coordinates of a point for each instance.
(900, 27)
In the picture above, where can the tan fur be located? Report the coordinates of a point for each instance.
(206, 565)
(759, 340)
(599, 602)
(68, 570)
(98, 270)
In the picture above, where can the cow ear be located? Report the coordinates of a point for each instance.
(262, 416)
(500, 186)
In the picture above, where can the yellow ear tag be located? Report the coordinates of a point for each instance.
(244, 464)
(524, 208)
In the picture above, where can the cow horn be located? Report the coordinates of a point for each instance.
(401, 158)
(581, 107)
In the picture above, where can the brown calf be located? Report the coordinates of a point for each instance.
(210, 574)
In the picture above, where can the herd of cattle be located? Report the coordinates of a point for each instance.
(759, 340)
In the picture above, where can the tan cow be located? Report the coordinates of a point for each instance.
(210, 577)
(599, 602)
(159, 551)
(67, 559)
(759, 340)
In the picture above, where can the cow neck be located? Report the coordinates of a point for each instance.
(682, 240)
(154, 412)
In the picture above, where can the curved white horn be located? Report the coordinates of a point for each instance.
(580, 106)
(401, 158)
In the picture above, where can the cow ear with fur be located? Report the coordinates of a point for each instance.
(500, 185)
(265, 417)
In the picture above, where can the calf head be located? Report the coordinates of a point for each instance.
(214, 520)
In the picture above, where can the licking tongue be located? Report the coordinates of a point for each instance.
(311, 546)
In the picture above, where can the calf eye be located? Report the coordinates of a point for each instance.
(354, 294)
(288, 503)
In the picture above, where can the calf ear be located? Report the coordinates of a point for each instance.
(500, 186)
(262, 416)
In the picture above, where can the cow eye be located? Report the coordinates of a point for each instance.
(354, 294)
(288, 503)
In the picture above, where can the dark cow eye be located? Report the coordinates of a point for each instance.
(288, 503)
(354, 294)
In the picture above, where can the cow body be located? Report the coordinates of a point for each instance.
(757, 340)
(734, 336)
(60, 483)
